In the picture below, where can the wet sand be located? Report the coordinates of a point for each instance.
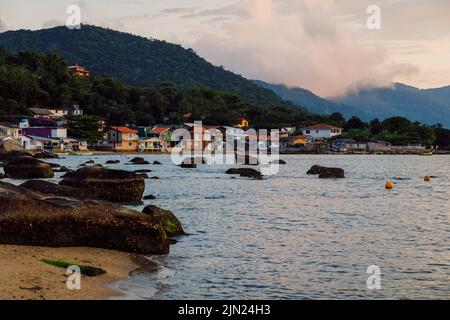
(24, 276)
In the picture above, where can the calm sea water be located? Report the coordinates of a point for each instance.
(294, 236)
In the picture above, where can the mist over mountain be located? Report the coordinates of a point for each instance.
(429, 106)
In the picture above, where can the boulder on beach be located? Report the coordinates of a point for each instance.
(107, 184)
(315, 169)
(326, 173)
(168, 220)
(29, 218)
(27, 168)
(10, 155)
(45, 155)
(157, 163)
(46, 187)
(2, 176)
(149, 197)
(90, 162)
(53, 165)
(245, 172)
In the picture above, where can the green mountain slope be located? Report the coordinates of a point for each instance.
(137, 61)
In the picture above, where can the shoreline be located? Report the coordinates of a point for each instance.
(24, 276)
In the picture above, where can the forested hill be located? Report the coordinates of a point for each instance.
(137, 61)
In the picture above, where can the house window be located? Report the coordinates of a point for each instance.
(317, 131)
(308, 132)
(129, 144)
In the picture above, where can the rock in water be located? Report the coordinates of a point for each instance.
(27, 168)
(112, 161)
(157, 163)
(279, 162)
(315, 169)
(246, 172)
(326, 173)
(111, 185)
(28, 218)
(168, 220)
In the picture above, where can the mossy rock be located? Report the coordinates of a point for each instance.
(166, 218)
(85, 270)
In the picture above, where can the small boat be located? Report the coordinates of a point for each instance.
(427, 154)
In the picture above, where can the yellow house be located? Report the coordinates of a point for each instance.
(242, 123)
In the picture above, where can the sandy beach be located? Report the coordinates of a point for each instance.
(24, 276)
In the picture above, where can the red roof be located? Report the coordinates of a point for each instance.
(159, 130)
(124, 130)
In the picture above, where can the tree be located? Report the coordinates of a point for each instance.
(84, 127)
(355, 123)
(375, 127)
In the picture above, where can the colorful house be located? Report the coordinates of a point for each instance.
(123, 139)
(79, 71)
(322, 131)
(242, 123)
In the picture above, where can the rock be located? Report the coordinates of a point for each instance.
(166, 218)
(315, 169)
(154, 178)
(9, 145)
(278, 162)
(53, 165)
(143, 175)
(139, 161)
(45, 155)
(188, 165)
(326, 173)
(149, 197)
(142, 171)
(107, 184)
(112, 161)
(63, 169)
(28, 218)
(10, 155)
(245, 172)
(46, 187)
(2, 176)
(157, 163)
(90, 162)
(85, 270)
(28, 168)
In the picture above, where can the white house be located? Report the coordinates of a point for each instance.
(322, 131)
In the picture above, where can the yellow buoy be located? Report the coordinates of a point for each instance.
(427, 179)
(389, 185)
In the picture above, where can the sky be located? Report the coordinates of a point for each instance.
(321, 45)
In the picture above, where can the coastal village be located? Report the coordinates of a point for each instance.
(45, 130)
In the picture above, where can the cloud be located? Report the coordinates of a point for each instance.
(2, 26)
(299, 43)
(52, 23)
